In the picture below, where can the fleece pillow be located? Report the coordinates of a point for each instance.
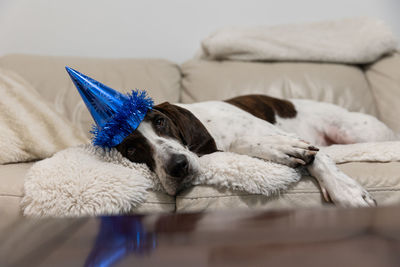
(30, 128)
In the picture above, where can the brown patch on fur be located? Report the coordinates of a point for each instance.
(192, 132)
(264, 107)
(136, 148)
(169, 121)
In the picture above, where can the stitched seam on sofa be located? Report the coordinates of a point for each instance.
(250, 195)
(9, 195)
(373, 94)
(156, 203)
(383, 189)
(241, 195)
(237, 196)
(383, 74)
(153, 203)
(296, 192)
(283, 193)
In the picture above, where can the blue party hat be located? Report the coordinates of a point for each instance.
(116, 115)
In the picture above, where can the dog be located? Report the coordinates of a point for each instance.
(172, 137)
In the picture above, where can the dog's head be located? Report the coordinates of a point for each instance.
(169, 141)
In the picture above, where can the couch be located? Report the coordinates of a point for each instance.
(372, 89)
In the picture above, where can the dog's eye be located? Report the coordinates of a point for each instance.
(131, 151)
(160, 122)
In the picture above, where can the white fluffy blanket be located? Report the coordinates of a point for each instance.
(85, 180)
(354, 41)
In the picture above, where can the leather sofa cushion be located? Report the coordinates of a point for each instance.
(382, 180)
(339, 84)
(384, 77)
(11, 190)
(47, 75)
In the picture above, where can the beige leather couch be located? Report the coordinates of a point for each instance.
(373, 89)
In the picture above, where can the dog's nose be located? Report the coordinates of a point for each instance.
(178, 166)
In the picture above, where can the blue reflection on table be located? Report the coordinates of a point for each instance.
(119, 236)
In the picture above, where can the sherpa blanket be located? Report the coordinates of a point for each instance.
(353, 41)
(85, 180)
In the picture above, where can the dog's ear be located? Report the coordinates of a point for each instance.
(193, 133)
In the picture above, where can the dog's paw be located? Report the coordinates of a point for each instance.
(292, 152)
(286, 150)
(346, 192)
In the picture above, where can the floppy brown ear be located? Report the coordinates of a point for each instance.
(193, 133)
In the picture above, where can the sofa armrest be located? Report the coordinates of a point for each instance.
(384, 79)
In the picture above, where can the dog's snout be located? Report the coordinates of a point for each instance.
(178, 166)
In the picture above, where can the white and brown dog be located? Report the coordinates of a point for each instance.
(171, 138)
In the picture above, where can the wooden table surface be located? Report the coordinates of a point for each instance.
(308, 237)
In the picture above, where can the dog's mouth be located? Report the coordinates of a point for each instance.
(177, 181)
(177, 171)
(178, 167)
(173, 185)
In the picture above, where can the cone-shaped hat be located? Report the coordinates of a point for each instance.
(116, 115)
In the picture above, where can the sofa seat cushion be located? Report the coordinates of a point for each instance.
(338, 84)
(11, 193)
(382, 180)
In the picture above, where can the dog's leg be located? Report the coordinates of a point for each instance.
(353, 127)
(281, 149)
(342, 189)
(287, 150)
(324, 124)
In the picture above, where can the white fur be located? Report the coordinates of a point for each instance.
(336, 185)
(314, 120)
(238, 131)
(226, 122)
(244, 173)
(163, 149)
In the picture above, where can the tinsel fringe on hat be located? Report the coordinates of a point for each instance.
(124, 122)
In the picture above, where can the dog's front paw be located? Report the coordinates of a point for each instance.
(282, 149)
(346, 192)
(292, 152)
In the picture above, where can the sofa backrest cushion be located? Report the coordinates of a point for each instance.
(48, 76)
(339, 84)
(384, 77)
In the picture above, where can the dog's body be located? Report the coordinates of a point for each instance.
(172, 137)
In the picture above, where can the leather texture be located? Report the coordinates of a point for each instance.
(384, 78)
(339, 84)
(11, 190)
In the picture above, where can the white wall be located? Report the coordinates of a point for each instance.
(169, 29)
